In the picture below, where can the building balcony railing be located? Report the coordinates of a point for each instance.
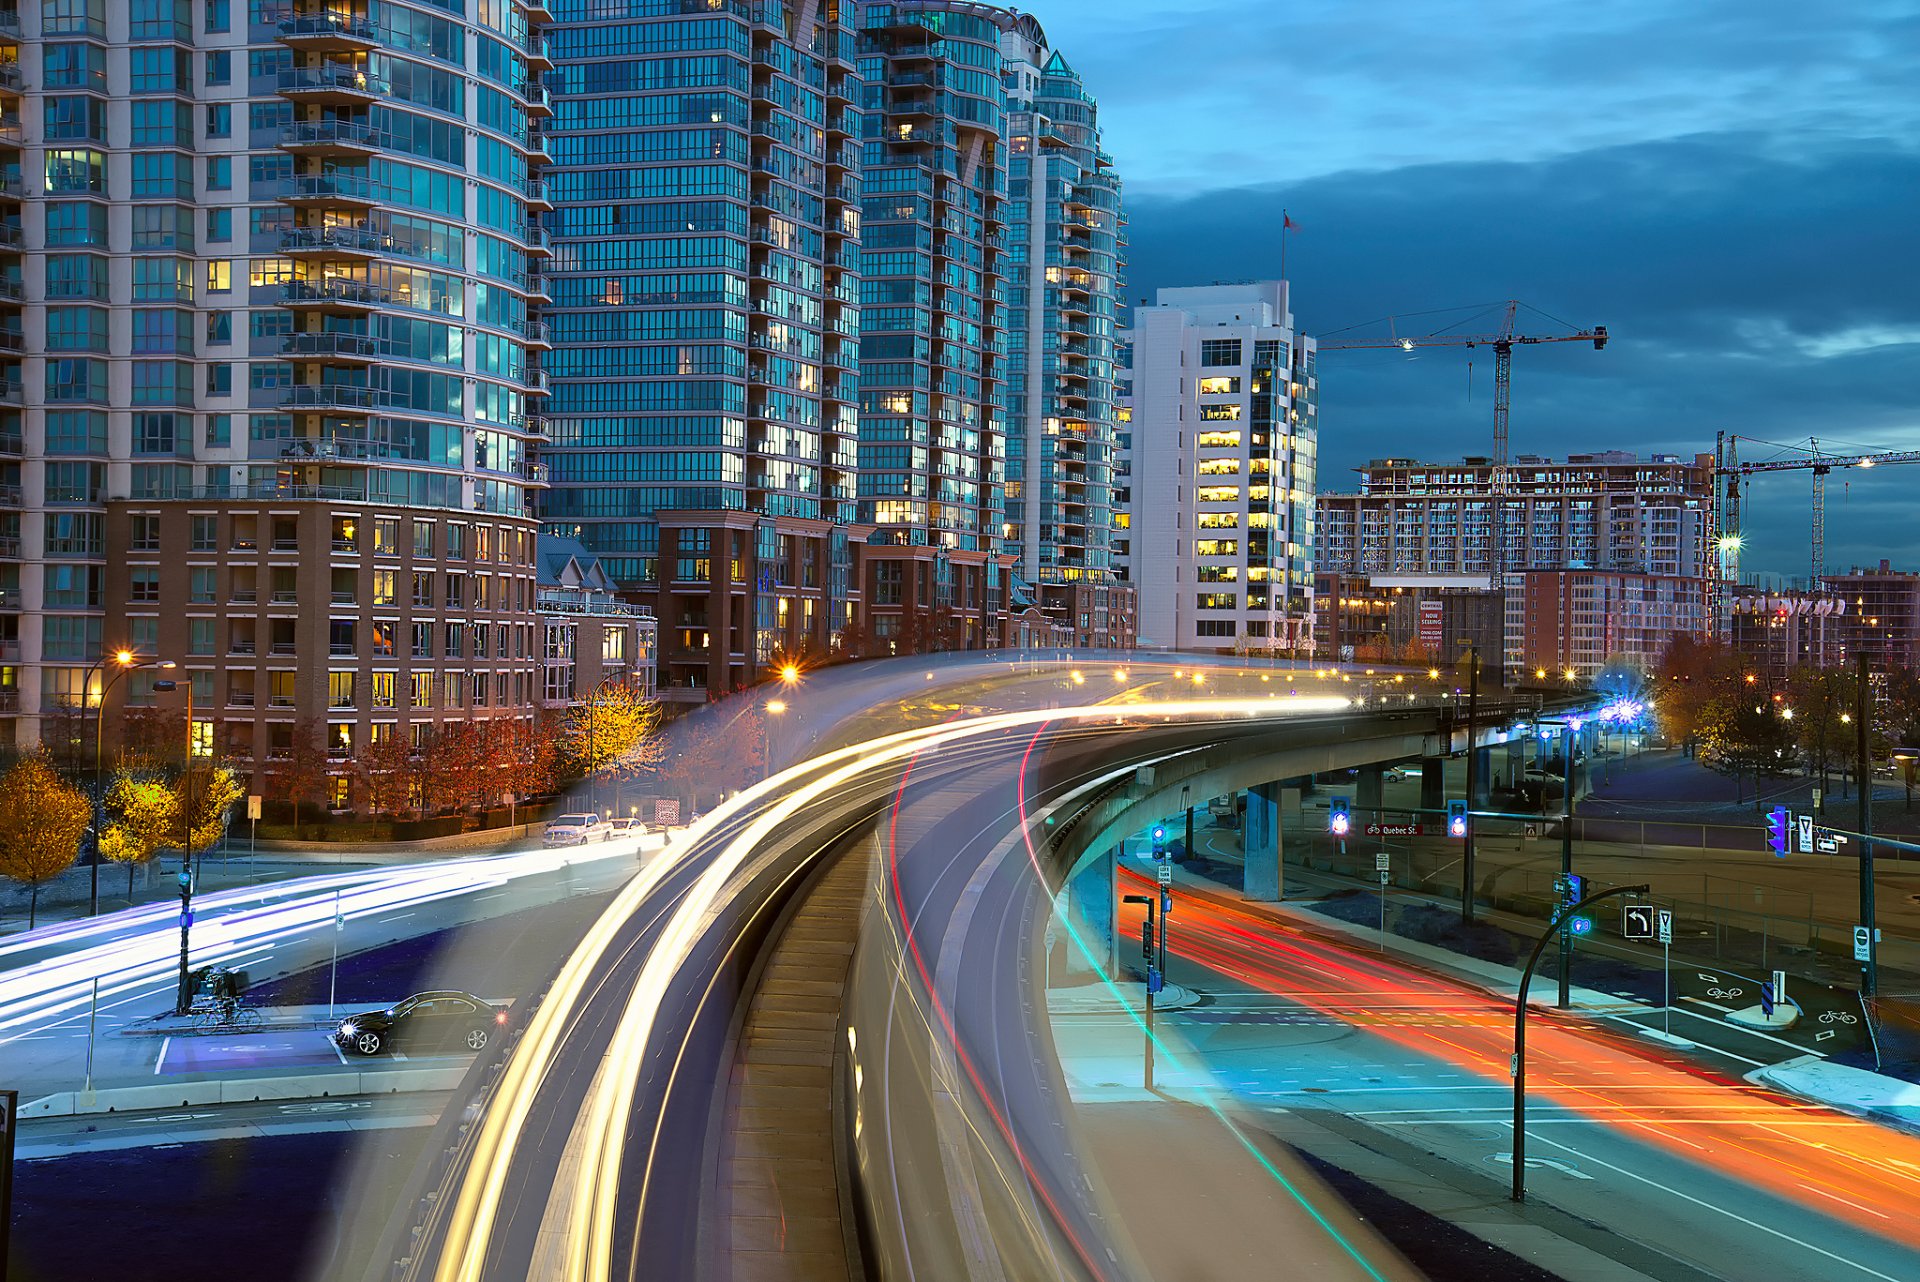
(339, 240)
(337, 294)
(329, 32)
(330, 189)
(332, 84)
(537, 197)
(536, 333)
(335, 397)
(358, 348)
(334, 137)
(536, 239)
(534, 473)
(539, 100)
(535, 381)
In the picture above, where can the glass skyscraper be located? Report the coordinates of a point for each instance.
(1065, 238)
(932, 428)
(270, 406)
(706, 320)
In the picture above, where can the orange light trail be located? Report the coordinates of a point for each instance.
(1860, 1172)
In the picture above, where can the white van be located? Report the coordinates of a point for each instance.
(576, 830)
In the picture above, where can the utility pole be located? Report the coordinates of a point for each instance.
(1147, 951)
(1566, 856)
(1473, 780)
(183, 995)
(1862, 704)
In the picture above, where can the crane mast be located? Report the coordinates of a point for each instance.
(1502, 340)
(1820, 463)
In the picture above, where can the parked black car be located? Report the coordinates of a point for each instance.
(425, 1023)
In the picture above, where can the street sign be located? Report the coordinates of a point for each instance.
(1385, 877)
(1862, 944)
(1816, 799)
(1827, 841)
(1766, 999)
(1382, 861)
(666, 810)
(1166, 872)
(1580, 925)
(1639, 921)
(1393, 830)
(1665, 923)
(1806, 833)
(253, 807)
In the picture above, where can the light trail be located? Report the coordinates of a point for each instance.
(1867, 1171)
(590, 1199)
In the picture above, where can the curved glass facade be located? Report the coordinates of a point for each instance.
(1067, 243)
(706, 312)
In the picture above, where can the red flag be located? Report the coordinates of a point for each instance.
(1287, 223)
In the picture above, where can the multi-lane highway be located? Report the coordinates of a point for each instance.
(1664, 1151)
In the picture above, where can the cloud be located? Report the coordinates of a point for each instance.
(1210, 93)
(1749, 287)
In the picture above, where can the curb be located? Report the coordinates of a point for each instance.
(133, 1099)
(1907, 1120)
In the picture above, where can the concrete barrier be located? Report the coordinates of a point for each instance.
(244, 1090)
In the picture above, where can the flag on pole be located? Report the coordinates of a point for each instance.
(1287, 223)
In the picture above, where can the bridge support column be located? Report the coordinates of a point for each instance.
(1366, 792)
(1482, 778)
(1264, 878)
(1433, 783)
(1090, 908)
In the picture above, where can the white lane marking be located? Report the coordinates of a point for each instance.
(401, 917)
(1785, 1237)
(165, 1042)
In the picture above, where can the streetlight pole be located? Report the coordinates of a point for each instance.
(183, 995)
(125, 658)
(1473, 780)
(1518, 1066)
(1869, 969)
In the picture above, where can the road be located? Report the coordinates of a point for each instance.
(1688, 1161)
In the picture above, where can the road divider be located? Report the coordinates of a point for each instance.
(245, 1090)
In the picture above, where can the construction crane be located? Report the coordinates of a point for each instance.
(1727, 465)
(1502, 340)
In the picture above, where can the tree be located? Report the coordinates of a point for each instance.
(454, 767)
(145, 818)
(1743, 734)
(714, 756)
(152, 738)
(205, 793)
(1822, 704)
(1692, 672)
(616, 725)
(386, 772)
(1902, 724)
(42, 819)
(523, 755)
(301, 776)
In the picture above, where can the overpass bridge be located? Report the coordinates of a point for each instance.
(636, 1126)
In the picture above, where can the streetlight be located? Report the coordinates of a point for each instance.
(776, 707)
(127, 661)
(183, 997)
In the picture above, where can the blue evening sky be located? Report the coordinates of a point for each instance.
(1731, 186)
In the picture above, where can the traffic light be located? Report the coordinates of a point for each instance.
(1456, 819)
(1576, 888)
(1159, 840)
(1339, 816)
(1779, 822)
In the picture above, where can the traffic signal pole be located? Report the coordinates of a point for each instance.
(1566, 857)
(1518, 1066)
(1869, 967)
(1473, 778)
(1147, 950)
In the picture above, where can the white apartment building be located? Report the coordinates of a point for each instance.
(1220, 437)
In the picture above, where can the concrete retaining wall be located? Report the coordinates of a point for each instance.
(187, 1094)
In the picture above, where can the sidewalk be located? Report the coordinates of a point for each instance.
(1851, 1090)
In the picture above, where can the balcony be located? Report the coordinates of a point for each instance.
(538, 56)
(337, 241)
(332, 449)
(537, 287)
(351, 138)
(535, 382)
(12, 392)
(336, 295)
(537, 149)
(536, 334)
(539, 100)
(534, 473)
(11, 78)
(12, 130)
(538, 10)
(332, 190)
(534, 425)
(539, 244)
(356, 348)
(333, 398)
(12, 443)
(332, 85)
(537, 198)
(13, 187)
(329, 32)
